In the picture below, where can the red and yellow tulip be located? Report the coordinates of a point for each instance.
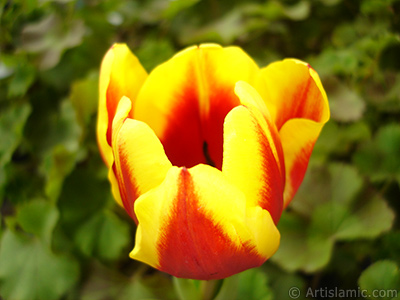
(205, 152)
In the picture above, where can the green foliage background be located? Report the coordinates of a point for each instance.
(63, 237)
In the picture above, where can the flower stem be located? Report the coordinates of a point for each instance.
(208, 289)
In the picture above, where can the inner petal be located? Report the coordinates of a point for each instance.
(186, 99)
(193, 135)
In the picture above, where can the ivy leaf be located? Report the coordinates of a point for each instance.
(103, 235)
(298, 11)
(306, 250)
(106, 283)
(337, 183)
(224, 30)
(63, 151)
(253, 285)
(379, 158)
(345, 104)
(340, 140)
(84, 98)
(83, 186)
(30, 271)
(154, 51)
(309, 232)
(284, 284)
(346, 182)
(39, 218)
(51, 37)
(24, 76)
(12, 122)
(382, 276)
(368, 221)
(176, 6)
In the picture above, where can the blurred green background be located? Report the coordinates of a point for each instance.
(63, 237)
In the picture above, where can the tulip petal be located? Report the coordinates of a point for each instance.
(253, 157)
(299, 107)
(186, 99)
(298, 137)
(121, 74)
(196, 225)
(294, 91)
(140, 160)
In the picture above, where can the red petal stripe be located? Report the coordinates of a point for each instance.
(193, 246)
(271, 194)
(305, 102)
(189, 129)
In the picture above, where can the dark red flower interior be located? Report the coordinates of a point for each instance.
(193, 135)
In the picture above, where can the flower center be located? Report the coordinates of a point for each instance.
(192, 137)
(207, 155)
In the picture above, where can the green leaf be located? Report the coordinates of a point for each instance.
(176, 6)
(149, 287)
(56, 165)
(224, 30)
(314, 190)
(390, 247)
(338, 183)
(284, 284)
(62, 151)
(381, 280)
(30, 271)
(300, 249)
(330, 2)
(52, 124)
(373, 7)
(84, 98)
(50, 37)
(390, 102)
(107, 283)
(345, 104)
(154, 51)
(12, 122)
(371, 219)
(346, 182)
(298, 11)
(333, 214)
(339, 140)
(368, 219)
(83, 195)
(39, 218)
(253, 285)
(379, 158)
(103, 235)
(328, 217)
(24, 76)
(271, 10)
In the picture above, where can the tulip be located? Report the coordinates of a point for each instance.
(205, 152)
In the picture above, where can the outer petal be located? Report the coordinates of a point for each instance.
(298, 137)
(299, 107)
(121, 74)
(196, 225)
(140, 160)
(294, 91)
(186, 99)
(253, 157)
